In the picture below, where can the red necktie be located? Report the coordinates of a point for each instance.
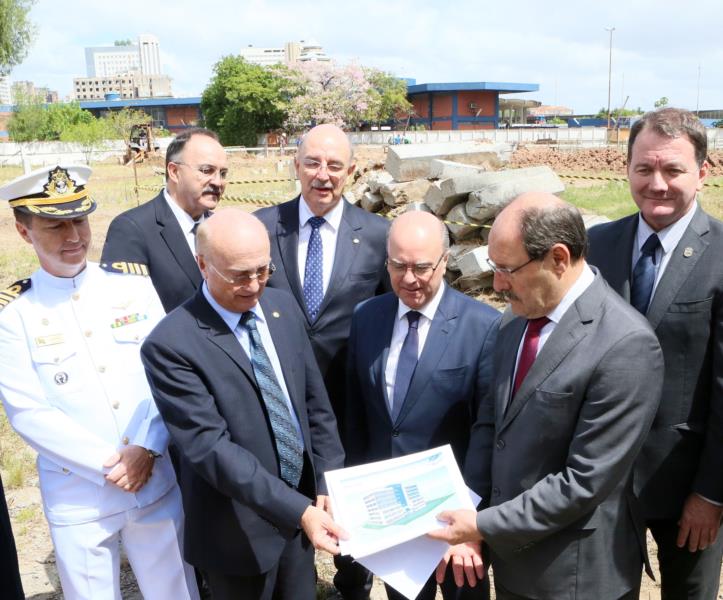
(529, 350)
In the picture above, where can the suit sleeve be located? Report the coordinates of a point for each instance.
(708, 480)
(125, 242)
(354, 432)
(478, 462)
(621, 399)
(202, 435)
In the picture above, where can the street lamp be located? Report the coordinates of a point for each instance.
(610, 68)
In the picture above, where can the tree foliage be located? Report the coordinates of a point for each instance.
(16, 33)
(662, 102)
(91, 135)
(244, 100)
(119, 123)
(33, 121)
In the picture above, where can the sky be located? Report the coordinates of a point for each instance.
(659, 47)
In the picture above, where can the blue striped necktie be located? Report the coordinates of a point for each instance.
(288, 444)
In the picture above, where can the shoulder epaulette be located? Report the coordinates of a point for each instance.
(126, 268)
(11, 293)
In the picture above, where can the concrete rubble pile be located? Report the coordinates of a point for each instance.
(465, 184)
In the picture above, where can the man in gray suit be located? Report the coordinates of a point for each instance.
(667, 260)
(577, 383)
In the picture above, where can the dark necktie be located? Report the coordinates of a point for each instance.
(529, 350)
(314, 268)
(407, 363)
(644, 275)
(194, 229)
(288, 444)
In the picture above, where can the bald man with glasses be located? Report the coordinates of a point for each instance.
(159, 236)
(420, 361)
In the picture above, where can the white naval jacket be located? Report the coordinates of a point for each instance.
(74, 387)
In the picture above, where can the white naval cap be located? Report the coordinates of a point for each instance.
(52, 192)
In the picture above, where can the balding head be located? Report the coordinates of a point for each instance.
(234, 254)
(538, 243)
(323, 164)
(417, 250)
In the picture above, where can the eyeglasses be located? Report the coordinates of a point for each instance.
(505, 270)
(418, 270)
(261, 274)
(333, 167)
(206, 171)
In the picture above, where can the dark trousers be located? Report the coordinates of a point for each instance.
(292, 578)
(503, 594)
(683, 574)
(352, 580)
(449, 588)
(10, 584)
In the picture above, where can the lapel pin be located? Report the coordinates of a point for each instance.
(275, 314)
(355, 240)
(688, 252)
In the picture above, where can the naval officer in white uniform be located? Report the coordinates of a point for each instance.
(74, 388)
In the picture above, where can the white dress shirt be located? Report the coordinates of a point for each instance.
(242, 335)
(669, 238)
(185, 221)
(399, 333)
(328, 232)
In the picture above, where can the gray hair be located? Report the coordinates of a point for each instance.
(542, 228)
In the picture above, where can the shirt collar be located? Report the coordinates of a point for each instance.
(229, 317)
(333, 217)
(669, 236)
(428, 310)
(184, 219)
(580, 285)
(61, 283)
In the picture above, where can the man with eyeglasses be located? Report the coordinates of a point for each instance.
(420, 361)
(576, 386)
(160, 234)
(234, 377)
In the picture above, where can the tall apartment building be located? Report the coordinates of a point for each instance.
(290, 54)
(6, 95)
(150, 54)
(132, 84)
(26, 90)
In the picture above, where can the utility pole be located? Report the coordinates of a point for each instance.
(610, 68)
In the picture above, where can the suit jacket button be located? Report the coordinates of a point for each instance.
(495, 491)
(395, 432)
(500, 444)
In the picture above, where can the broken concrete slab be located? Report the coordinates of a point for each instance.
(412, 206)
(460, 225)
(446, 193)
(372, 202)
(488, 200)
(376, 179)
(413, 161)
(444, 169)
(396, 193)
(457, 250)
(474, 263)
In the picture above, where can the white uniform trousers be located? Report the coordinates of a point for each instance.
(88, 554)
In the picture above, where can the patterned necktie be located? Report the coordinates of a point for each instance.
(407, 363)
(288, 444)
(313, 270)
(644, 275)
(529, 350)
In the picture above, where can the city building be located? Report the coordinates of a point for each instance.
(26, 90)
(393, 502)
(174, 114)
(108, 61)
(291, 53)
(6, 91)
(466, 105)
(132, 84)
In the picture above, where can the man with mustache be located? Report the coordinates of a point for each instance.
(160, 235)
(329, 254)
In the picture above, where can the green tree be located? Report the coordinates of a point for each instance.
(244, 100)
(662, 102)
(60, 117)
(387, 97)
(33, 121)
(16, 33)
(91, 135)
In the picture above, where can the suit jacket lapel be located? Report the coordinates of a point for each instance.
(566, 335)
(684, 258)
(219, 334)
(346, 248)
(440, 332)
(172, 235)
(386, 326)
(287, 237)
(620, 273)
(509, 342)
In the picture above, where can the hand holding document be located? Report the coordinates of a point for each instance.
(387, 507)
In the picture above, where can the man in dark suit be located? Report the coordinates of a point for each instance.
(577, 383)
(667, 260)
(159, 235)
(349, 267)
(235, 380)
(420, 359)
(9, 575)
